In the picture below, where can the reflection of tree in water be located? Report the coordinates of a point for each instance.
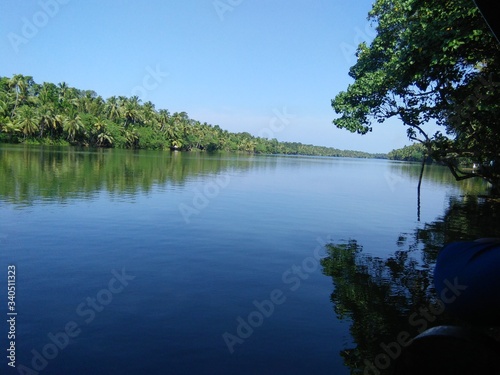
(466, 218)
(376, 295)
(61, 173)
(385, 297)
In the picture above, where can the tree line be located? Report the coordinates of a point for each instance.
(59, 114)
(414, 152)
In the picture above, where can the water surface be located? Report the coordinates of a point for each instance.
(203, 243)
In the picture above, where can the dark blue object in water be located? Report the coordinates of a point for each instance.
(467, 280)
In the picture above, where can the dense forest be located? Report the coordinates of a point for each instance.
(414, 152)
(417, 151)
(58, 114)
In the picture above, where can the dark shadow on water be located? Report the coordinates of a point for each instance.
(389, 301)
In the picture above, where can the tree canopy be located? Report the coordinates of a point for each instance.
(430, 62)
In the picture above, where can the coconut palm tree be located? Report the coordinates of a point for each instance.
(163, 118)
(47, 118)
(7, 126)
(47, 93)
(72, 125)
(248, 145)
(98, 126)
(104, 139)
(63, 91)
(20, 84)
(57, 125)
(132, 138)
(130, 111)
(27, 120)
(112, 108)
(4, 104)
(95, 106)
(148, 113)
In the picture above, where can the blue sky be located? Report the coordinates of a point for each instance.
(269, 67)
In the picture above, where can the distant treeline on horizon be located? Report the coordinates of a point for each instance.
(47, 113)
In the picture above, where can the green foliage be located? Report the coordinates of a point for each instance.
(430, 61)
(151, 139)
(415, 152)
(58, 114)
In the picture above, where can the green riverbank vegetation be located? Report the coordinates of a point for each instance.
(47, 113)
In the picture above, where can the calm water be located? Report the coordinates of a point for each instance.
(177, 263)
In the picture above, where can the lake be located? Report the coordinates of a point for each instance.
(150, 262)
